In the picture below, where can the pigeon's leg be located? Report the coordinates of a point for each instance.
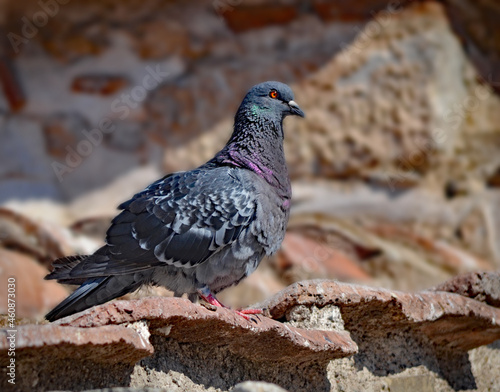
(207, 295)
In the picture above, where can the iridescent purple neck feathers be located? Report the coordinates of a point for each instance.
(258, 147)
(252, 163)
(257, 140)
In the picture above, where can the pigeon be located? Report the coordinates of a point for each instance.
(197, 232)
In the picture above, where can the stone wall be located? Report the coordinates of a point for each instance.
(384, 103)
(315, 336)
(395, 175)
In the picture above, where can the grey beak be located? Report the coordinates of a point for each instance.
(295, 109)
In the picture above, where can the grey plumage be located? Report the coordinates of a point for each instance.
(200, 231)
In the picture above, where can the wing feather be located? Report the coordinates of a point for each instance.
(180, 220)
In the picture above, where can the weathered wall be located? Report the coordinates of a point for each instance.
(397, 118)
(395, 102)
(395, 184)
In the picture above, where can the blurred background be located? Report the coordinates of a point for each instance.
(395, 169)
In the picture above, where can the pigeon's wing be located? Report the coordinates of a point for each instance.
(180, 220)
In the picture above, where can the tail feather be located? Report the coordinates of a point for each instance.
(94, 292)
(62, 268)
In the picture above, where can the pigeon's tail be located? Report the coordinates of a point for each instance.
(93, 292)
(64, 266)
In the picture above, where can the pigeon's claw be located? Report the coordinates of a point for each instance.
(250, 311)
(210, 298)
(243, 315)
(244, 312)
(207, 296)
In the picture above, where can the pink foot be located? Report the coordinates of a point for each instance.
(243, 312)
(210, 298)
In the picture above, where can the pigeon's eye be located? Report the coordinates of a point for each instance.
(273, 94)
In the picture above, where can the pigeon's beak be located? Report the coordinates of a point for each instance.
(295, 109)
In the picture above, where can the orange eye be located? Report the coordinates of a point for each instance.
(273, 94)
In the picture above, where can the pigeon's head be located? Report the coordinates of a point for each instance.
(272, 100)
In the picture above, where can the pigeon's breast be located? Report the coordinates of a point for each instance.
(271, 215)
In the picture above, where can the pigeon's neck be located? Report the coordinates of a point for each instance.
(258, 146)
